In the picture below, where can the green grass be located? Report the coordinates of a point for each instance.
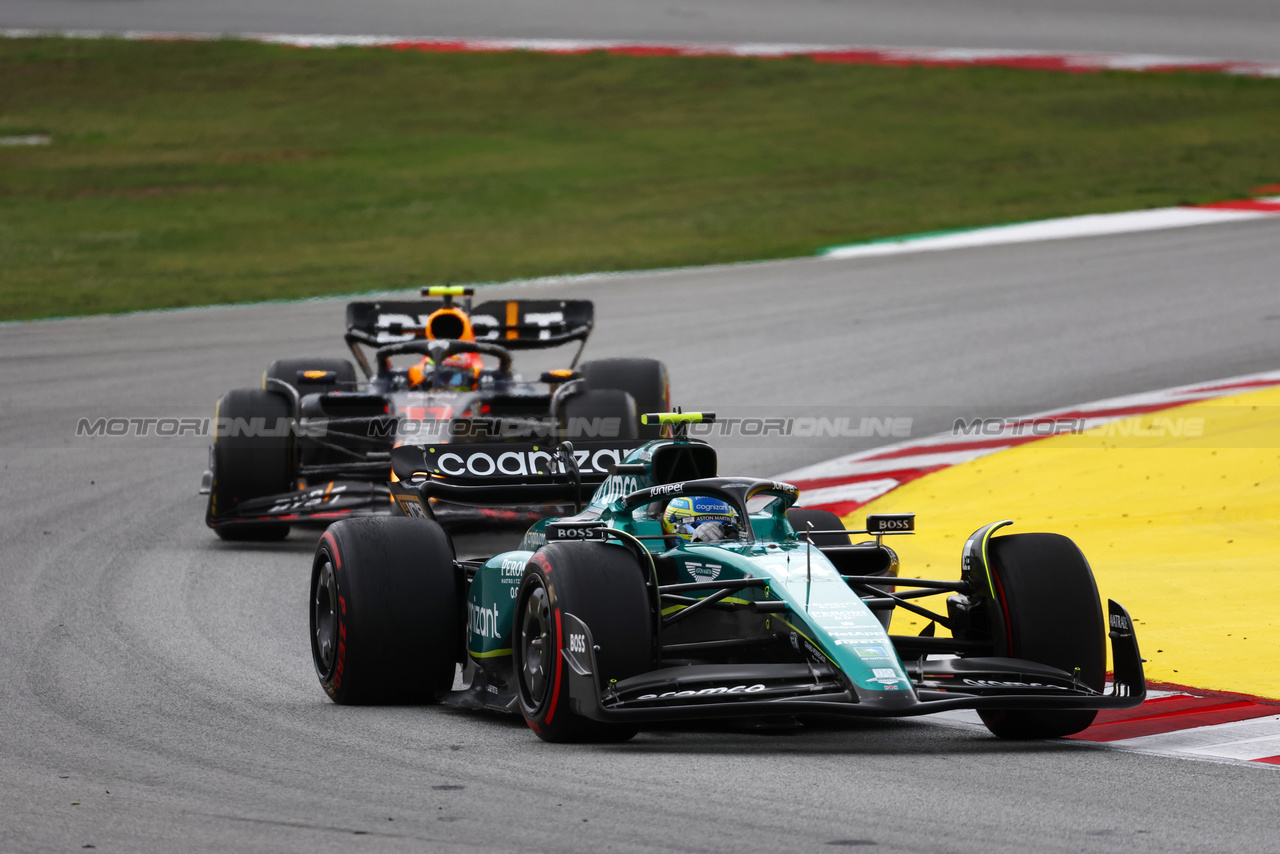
(193, 173)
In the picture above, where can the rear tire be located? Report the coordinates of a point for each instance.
(288, 369)
(384, 611)
(1047, 611)
(644, 379)
(250, 466)
(602, 585)
(822, 520)
(584, 408)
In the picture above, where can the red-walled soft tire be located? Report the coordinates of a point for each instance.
(384, 611)
(602, 585)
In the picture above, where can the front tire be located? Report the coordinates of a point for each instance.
(384, 611)
(1047, 611)
(602, 585)
(247, 464)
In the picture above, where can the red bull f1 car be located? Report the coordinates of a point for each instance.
(618, 616)
(313, 444)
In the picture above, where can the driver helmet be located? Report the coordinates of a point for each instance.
(700, 519)
(460, 372)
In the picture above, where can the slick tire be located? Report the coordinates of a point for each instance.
(822, 520)
(602, 585)
(589, 415)
(247, 464)
(385, 624)
(644, 379)
(1048, 604)
(288, 369)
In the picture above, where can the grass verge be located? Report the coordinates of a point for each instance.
(193, 173)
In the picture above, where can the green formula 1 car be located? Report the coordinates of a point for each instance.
(608, 620)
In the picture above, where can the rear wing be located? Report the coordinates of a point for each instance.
(524, 324)
(496, 474)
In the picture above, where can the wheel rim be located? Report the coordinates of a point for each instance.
(537, 653)
(324, 620)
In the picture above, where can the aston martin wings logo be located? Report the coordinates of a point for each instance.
(703, 571)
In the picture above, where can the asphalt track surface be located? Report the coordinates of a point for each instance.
(156, 685)
(1232, 29)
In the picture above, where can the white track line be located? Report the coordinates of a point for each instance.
(1089, 225)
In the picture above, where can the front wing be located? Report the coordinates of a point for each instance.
(734, 691)
(317, 506)
(324, 504)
